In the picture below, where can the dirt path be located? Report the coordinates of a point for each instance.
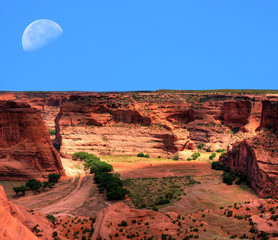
(72, 201)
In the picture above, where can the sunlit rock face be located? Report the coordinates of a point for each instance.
(26, 150)
(18, 223)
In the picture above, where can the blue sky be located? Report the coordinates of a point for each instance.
(124, 45)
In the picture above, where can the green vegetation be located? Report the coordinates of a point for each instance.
(195, 155)
(52, 131)
(208, 149)
(220, 150)
(176, 157)
(112, 184)
(151, 192)
(19, 189)
(34, 184)
(53, 178)
(216, 165)
(212, 156)
(93, 163)
(200, 145)
(140, 154)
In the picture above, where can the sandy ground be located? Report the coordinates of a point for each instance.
(78, 195)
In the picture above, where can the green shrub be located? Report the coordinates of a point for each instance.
(147, 156)
(51, 218)
(34, 184)
(140, 154)
(220, 150)
(200, 145)
(162, 201)
(228, 178)
(52, 132)
(53, 177)
(21, 189)
(176, 157)
(195, 155)
(123, 224)
(45, 184)
(208, 149)
(159, 156)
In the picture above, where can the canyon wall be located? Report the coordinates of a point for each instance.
(26, 150)
(257, 157)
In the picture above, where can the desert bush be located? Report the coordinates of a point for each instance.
(51, 132)
(195, 155)
(140, 154)
(123, 224)
(228, 178)
(147, 156)
(34, 184)
(51, 218)
(208, 149)
(176, 157)
(200, 145)
(45, 184)
(220, 150)
(19, 189)
(53, 177)
(159, 156)
(212, 156)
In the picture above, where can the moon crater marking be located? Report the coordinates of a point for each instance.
(40, 33)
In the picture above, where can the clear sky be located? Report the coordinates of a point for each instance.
(122, 45)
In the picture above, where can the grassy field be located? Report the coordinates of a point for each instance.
(132, 159)
(204, 157)
(150, 192)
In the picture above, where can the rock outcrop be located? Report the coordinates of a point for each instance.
(269, 115)
(26, 150)
(255, 160)
(20, 224)
(109, 218)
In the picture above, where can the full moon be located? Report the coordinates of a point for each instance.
(40, 33)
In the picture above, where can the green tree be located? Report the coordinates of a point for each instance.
(53, 177)
(21, 189)
(34, 184)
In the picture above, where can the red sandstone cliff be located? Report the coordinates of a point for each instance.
(269, 115)
(20, 224)
(26, 150)
(248, 158)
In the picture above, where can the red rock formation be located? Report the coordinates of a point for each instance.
(20, 224)
(257, 162)
(269, 115)
(26, 150)
(108, 219)
(236, 113)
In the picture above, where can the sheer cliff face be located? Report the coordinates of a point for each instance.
(26, 150)
(257, 157)
(269, 115)
(255, 162)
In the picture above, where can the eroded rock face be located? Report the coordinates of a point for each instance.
(258, 163)
(236, 113)
(269, 115)
(26, 150)
(17, 223)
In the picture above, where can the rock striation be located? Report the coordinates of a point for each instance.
(260, 166)
(26, 150)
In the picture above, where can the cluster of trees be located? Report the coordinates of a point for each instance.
(93, 163)
(36, 185)
(228, 177)
(140, 154)
(111, 183)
